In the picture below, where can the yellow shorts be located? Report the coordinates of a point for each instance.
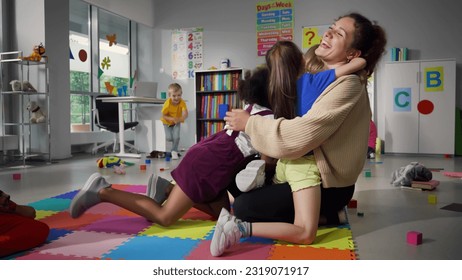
(300, 173)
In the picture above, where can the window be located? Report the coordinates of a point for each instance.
(80, 66)
(99, 43)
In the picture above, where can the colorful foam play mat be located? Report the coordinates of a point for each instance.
(108, 232)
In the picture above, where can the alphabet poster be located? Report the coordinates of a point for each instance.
(275, 21)
(434, 79)
(187, 52)
(312, 35)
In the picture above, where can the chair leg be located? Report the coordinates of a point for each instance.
(131, 146)
(115, 142)
(103, 145)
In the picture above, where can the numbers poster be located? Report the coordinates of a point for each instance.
(187, 52)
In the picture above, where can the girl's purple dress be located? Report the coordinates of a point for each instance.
(209, 166)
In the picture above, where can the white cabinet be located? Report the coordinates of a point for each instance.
(31, 85)
(420, 106)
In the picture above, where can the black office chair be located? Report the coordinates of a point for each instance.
(107, 118)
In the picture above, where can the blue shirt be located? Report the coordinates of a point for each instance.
(310, 86)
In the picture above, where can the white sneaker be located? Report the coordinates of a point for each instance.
(88, 196)
(253, 176)
(226, 233)
(372, 155)
(174, 155)
(157, 188)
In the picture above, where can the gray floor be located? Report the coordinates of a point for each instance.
(389, 212)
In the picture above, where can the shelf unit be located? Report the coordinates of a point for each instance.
(215, 93)
(33, 139)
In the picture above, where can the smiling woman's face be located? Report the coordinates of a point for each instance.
(335, 45)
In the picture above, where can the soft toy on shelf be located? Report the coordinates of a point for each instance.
(17, 86)
(36, 54)
(37, 115)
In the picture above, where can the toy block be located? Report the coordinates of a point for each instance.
(147, 161)
(367, 173)
(414, 237)
(432, 199)
(353, 203)
(360, 214)
(16, 176)
(142, 166)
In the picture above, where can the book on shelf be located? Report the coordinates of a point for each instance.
(429, 185)
(399, 54)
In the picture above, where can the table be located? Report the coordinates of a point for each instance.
(128, 99)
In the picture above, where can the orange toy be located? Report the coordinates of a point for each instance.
(37, 53)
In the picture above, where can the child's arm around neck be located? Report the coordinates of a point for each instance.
(351, 67)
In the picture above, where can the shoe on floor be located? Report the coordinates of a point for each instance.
(157, 188)
(174, 155)
(88, 196)
(226, 233)
(372, 155)
(253, 176)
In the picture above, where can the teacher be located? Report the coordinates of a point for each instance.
(335, 130)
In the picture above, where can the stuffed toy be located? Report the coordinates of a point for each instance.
(111, 161)
(16, 86)
(26, 86)
(411, 172)
(36, 54)
(156, 154)
(37, 115)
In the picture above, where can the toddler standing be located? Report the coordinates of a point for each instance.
(174, 112)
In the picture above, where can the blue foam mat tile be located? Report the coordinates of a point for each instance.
(153, 248)
(68, 195)
(56, 233)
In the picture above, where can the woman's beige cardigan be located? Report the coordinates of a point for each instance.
(336, 129)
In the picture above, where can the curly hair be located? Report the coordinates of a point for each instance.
(254, 88)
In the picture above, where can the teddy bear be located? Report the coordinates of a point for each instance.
(36, 54)
(37, 115)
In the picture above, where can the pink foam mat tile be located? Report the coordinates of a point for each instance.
(241, 251)
(84, 244)
(63, 220)
(130, 188)
(45, 256)
(119, 224)
(453, 174)
(104, 208)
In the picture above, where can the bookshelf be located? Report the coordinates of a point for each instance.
(215, 93)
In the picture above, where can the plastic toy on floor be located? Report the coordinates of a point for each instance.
(119, 169)
(111, 161)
